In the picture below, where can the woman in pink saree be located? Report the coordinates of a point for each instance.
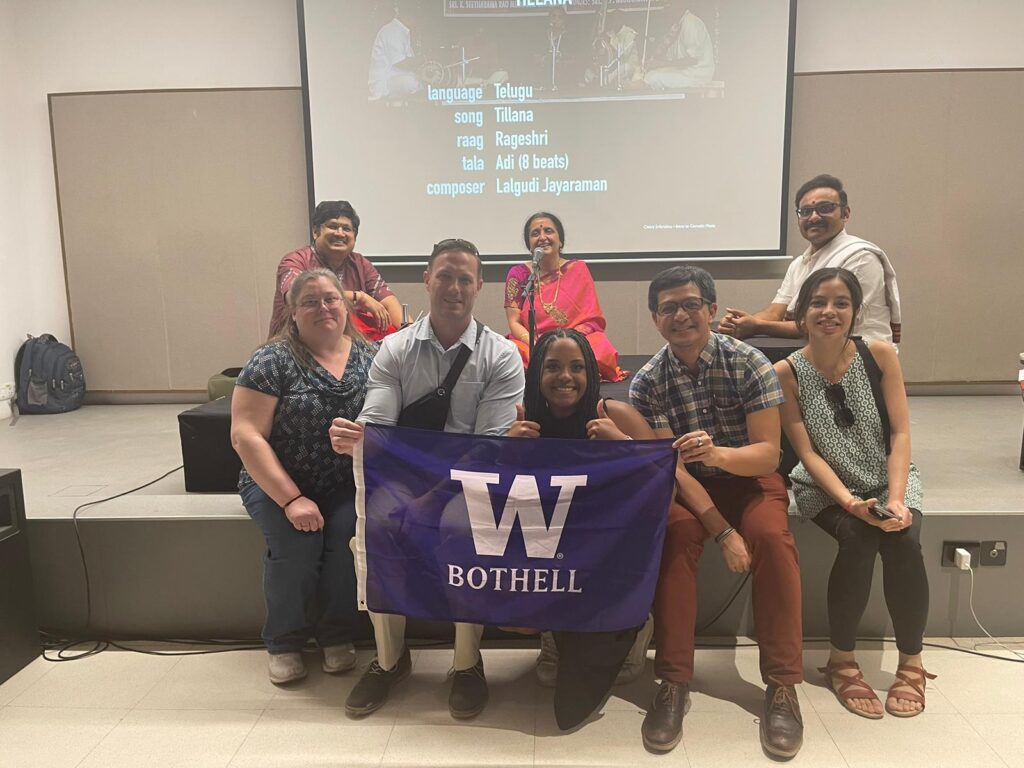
(565, 296)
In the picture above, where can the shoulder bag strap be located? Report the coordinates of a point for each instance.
(875, 377)
(460, 362)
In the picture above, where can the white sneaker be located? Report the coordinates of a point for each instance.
(547, 661)
(286, 667)
(339, 658)
(635, 663)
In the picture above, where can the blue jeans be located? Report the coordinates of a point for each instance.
(309, 579)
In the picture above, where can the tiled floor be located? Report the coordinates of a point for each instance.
(123, 709)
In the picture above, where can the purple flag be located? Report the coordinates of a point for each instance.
(544, 533)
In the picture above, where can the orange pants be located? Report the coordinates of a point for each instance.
(757, 508)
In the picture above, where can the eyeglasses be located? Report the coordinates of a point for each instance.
(333, 225)
(822, 209)
(690, 305)
(330, 301)
(841, 413)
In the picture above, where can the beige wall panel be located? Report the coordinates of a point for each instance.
(619, 304)
(930, 161)
(979, 306)
(112, 251)
(176, 207)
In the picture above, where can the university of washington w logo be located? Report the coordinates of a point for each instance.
(490, 539)
(523, 503)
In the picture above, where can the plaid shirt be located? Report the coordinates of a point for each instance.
(733, 379)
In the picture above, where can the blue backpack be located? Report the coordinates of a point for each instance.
(49, 375)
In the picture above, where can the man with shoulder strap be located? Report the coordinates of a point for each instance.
(822, 211)
(411, 383)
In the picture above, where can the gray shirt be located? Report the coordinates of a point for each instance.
(412, 363)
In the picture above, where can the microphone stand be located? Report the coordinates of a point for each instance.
(531, 292)
(647, 31)
(556, 44)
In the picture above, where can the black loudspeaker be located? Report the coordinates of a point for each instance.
(211, 464)
(19, 630)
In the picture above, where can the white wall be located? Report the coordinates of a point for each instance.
(856, 35)
(81, 45)
(53, 46)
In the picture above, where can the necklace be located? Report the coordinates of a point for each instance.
(560, 318)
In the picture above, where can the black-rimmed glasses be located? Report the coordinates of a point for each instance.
(691, 305)
(822, 209)
(841, 413)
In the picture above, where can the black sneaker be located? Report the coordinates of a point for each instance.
(469, 691)
(663, 726)
(372, 690)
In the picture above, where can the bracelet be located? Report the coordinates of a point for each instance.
(724, 535)
(354, 293)
(285, 505)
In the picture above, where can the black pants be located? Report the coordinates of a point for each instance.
(849, 585)
(588, 663)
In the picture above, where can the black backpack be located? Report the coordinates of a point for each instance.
(49, 376)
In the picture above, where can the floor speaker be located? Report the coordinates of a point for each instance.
(19, 631)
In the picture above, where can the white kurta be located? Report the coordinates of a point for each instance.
(873, 270)
(392, 46)
(692, 42)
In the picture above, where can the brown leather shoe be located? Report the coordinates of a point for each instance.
(663, 725)
(782, 727)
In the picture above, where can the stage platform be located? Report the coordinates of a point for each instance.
(165, 562)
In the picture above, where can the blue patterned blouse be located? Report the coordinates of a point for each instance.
(307, 402)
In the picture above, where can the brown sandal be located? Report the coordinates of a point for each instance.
(902, 681)
(860, 689)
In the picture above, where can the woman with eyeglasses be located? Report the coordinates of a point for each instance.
(297, 489)
(846, 416)
(564, 296)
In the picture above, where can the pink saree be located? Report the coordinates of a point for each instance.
(564, 299)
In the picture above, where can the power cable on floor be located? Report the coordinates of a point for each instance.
(78, 537)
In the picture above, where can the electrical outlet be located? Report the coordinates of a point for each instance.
(949, 547)
(993, 553)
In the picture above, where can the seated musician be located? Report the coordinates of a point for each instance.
(617, 52)
(688, 56)
(377, 311)
(565, 296)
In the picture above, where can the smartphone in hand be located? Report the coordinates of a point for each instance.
(882, 513)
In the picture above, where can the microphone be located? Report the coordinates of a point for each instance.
(538, 254)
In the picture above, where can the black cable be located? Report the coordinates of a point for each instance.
(725, 607)
(970, 651)
(55, 642)
(78, 537)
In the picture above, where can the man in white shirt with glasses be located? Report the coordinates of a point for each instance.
(822, 210)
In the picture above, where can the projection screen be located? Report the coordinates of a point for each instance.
(653, 129)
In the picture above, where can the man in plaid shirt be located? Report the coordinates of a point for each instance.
(719, 398)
